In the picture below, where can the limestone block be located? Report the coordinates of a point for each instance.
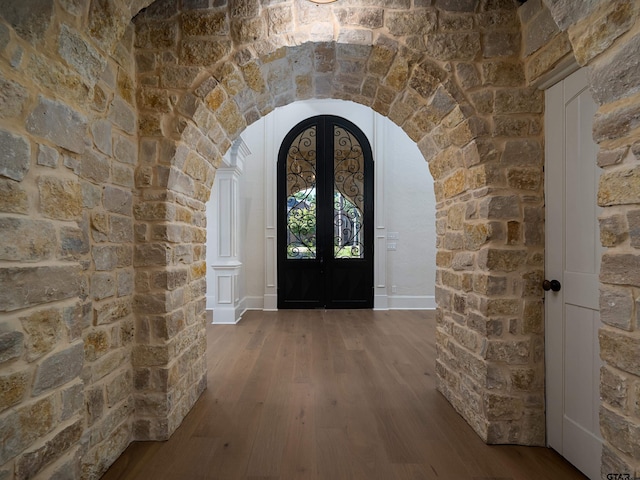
(489, 284)
(453, 22)
(154, 99)
(607, 158)
(58, 123)
(125, 283)
(26, 240)
(454, 184)
(620, 431)
(500, 44)
(60, 198)
(382, 55)
(369, 17)
(79, 53)
(23, 287)
(614, 229)
(29, 19)
(32, 462)
(617, 122)
(617, 306)
(15, 155)
(126, 87)
(120, 230)
(512, 352)
(468, 75)
(153, 254)
(72, 399)
(174, 76)
(620, 349)
(96, 344)
(203, 52)
(547, 57)
(58, 368)
(502, 74)
(111, 311)
(230, 118)
(408, 23)
(107, 22)
(453, 46)
(122, 115)
(533, 226)
(103, 285)
(619, 187)
(11, 343)
(110, 257)
(521, 100)
(101, 132)
(539, 31)
(156, 35)
(523, 152)
(118, 389)
(500, 207)
(524, 178)
(204, 23)
(13, 98)
(596, 32)
(43, 331)
(567, 12)
(13, 387)
(620, 269)
(617, 76)
(503, 407)
(117, 200)
(26, 423)
(501, 260)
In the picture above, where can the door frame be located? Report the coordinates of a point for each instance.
(325, 173)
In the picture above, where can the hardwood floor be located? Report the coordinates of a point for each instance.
(328, 395)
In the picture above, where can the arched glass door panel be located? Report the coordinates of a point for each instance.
(325, 216)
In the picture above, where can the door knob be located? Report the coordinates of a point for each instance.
(553, 285)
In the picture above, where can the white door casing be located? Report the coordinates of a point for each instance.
(573, 253)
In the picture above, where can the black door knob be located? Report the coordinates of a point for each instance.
(553, 285)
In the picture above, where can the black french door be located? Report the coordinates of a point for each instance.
(325, 216)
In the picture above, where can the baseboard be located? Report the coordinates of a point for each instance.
(408, 302)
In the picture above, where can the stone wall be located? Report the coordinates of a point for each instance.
(451, 79)
(112, 123)
(605, 37)
(68, 149)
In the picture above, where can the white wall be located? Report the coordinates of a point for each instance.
(405, 205)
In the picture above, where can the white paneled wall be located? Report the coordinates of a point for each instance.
(404, 202)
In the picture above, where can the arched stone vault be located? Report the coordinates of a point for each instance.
(102, 206)
(451, 80)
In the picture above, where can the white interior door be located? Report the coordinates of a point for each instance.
(572, 257)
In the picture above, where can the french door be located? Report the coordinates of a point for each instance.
(325, 216)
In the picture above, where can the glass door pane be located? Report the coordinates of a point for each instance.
(348, 195)
(301, 196)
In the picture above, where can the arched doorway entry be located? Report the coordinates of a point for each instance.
(325, 216)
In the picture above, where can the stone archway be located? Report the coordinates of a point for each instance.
(474, 121)
(101, 205)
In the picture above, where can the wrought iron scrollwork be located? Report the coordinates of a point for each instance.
(301, 196)
(348, 202)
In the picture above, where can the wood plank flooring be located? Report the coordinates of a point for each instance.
(328, 395)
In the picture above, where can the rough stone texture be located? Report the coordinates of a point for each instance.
(58, 123)
(58, 369)
(26, 240)
(466, 97)
(24, 287)
(15, 156)
(30, 18)
(617, 76)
